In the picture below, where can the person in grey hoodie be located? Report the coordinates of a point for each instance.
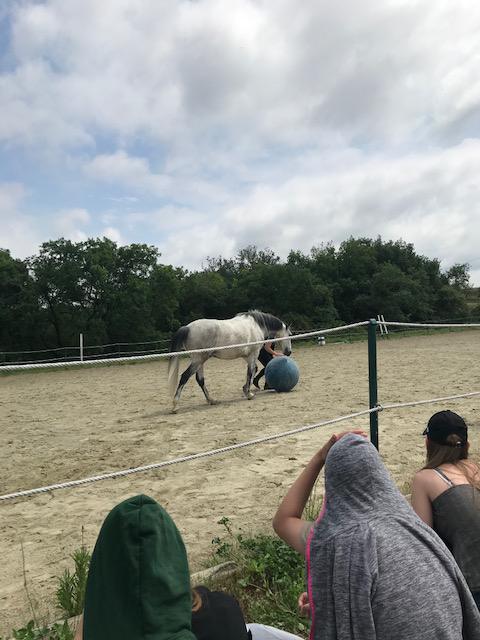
(375, 571)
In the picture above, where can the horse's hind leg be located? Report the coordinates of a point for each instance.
(201, 381)
(258, 377)
(184, 378)
(250, 373)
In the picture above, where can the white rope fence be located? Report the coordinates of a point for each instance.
(90, 347)
(214, 452)
(92, 360)
(416, 403)
(155, 356)
(426, 325)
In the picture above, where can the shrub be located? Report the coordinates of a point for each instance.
(269, 580)
(58, 631)
(71, 589)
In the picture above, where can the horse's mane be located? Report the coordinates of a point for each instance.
(271, 324)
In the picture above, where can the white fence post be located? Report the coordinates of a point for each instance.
(81, 347)
(379, 320)
(385, 328)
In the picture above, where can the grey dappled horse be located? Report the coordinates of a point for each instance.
(249, 326)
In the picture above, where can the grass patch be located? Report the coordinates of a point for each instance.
(59, 631)
(270, 578)
(270, 574)
(70, 598)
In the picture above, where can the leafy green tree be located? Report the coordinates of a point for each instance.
(165, 283)
(397, 295)
(123, 294)
(127, 300)
(58, 276)
(450, 304)
(20, 319)
(203, 294)
(458, 276)
(96, 288)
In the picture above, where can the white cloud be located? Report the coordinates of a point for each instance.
(15, 227)
(120, 168)
(22, 233)
(170, 70)
(217, 124)
(431, 200)
(71, 224)
(113, 234)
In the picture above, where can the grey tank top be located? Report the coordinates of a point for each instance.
(456, 519)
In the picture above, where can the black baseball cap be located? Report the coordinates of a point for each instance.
(443, 424)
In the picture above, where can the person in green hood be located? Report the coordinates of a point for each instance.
(138, 586)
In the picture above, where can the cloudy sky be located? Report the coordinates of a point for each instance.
(202, 126)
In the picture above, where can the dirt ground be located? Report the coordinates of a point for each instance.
(61, 425)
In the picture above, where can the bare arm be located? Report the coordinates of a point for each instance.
(79, 630)
(288, 522)
(268, 348)
(420, 500)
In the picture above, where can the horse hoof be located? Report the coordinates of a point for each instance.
(213, 402)
(250, 395)
(174, 409)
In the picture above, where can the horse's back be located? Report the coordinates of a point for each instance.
(207, 332)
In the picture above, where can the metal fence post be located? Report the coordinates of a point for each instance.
(81, 347)
(372, 379)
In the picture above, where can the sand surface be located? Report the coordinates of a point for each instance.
(62, 425)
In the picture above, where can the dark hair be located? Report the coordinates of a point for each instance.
(454, 452)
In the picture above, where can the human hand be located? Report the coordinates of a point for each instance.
(335, 438)
(304, 604)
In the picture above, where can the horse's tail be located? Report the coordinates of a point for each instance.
(178, 343)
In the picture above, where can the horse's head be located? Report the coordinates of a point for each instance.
(284, 344)
(273, 329)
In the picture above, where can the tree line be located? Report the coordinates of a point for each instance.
(114, 293)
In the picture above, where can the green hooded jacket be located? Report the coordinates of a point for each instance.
(138, 586)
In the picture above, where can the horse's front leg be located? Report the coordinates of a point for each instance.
(250, 373)
(201, 381)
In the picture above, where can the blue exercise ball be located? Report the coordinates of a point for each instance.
(282, 373)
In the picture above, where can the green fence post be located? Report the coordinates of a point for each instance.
(372, 380)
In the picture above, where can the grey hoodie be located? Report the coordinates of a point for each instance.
(375, 570)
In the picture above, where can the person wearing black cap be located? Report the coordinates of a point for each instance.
(446, 493)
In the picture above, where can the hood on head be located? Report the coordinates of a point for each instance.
(357, 481)
(138, 584)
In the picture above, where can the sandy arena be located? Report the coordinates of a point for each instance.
(62, 425)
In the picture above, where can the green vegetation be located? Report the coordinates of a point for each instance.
(270, 575)
(70, 597)
(270, 578)
(124, 294)
(71, 588)
(58, 631)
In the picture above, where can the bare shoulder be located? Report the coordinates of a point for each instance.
(423, 477)
(427, 482)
